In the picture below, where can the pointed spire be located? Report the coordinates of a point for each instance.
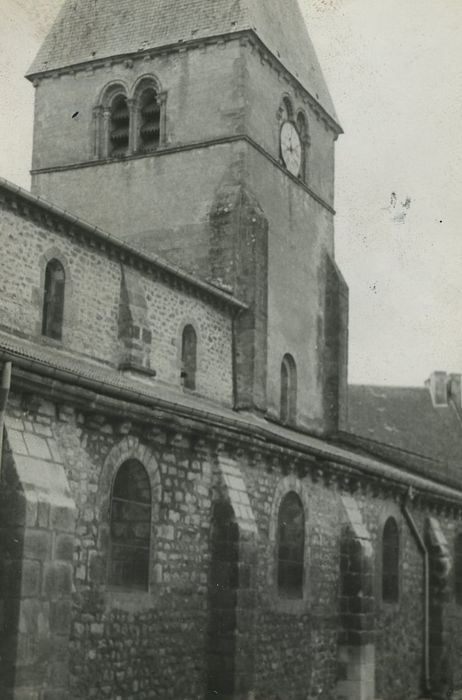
(88, 30)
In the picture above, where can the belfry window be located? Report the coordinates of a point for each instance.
(150, 118)
(288, 411)
(189, 357)
(291, 547)
(458, 569)
(53, 300)
(130, 527)
(119, 131)
(390, 562)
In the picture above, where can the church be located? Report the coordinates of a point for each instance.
(186, 510)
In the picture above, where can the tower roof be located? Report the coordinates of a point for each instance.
(87, 30)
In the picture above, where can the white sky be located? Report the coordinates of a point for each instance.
(394, 68)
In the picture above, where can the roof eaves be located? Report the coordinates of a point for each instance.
(108, 238)
(332, 119)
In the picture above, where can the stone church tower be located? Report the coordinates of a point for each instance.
(203, 130)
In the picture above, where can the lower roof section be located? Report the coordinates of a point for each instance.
(56, 372)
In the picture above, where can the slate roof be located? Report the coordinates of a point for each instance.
(405, 418)
(86, 30)
(85, 373)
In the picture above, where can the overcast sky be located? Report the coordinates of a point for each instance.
(394, 69)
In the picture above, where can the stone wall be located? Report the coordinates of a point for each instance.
(92, 302)
(163, 642)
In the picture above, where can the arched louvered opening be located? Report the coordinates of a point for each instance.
(302, 128)
(119, 132)
(291, 547)
(390, 562)
(458, 569)
(53, 300)
(287, 111)
(288, 409)
(130, 527)
(150, 119)
(189, 357)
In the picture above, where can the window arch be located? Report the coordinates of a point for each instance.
(286, 110)
(130, 531)
(291, 547)
(288, 409)
(53, 300)
(189, 357)
(458, 568)
(119, 126)
(390, 561)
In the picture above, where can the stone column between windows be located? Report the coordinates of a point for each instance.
(233, 489)
(104, 146)
(98, 113)
(356, 651)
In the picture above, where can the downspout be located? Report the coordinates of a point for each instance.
(4, 391)
(426, 560)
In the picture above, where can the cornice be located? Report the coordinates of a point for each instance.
(39, 211)
(196, 145)
(260, 446)
(245, 36)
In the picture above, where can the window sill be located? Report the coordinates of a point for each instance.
(130, 600)
(290, 606)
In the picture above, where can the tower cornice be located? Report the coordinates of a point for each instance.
(245, 37)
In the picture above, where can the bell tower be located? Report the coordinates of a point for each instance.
(204, 131)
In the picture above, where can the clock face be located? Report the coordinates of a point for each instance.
(291, 148)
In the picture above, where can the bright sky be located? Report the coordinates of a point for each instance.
(395, 72)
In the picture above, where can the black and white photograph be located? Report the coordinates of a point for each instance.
(230, 350)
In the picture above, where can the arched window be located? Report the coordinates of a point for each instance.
(291, 546)
(302, 128)
(288, 390)
(53, 300)
(119, 129)
(458, 568)
(390, 562)
(130, 527)
(189, 357)
(149, 120)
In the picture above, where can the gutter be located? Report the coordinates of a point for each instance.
(424, 551)
(4, 391)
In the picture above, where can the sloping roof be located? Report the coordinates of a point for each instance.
(405, 418)
(108, 239)
(86, 30)
(83, 373)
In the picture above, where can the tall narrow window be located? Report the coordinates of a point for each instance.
(390, 562)
(458, 569)
(150, 116)
(291, 546)
(130, 527)
(53, 300)
(119, 133)
(288, 390)
(189, 357)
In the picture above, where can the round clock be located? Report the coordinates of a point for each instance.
(291, 148)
